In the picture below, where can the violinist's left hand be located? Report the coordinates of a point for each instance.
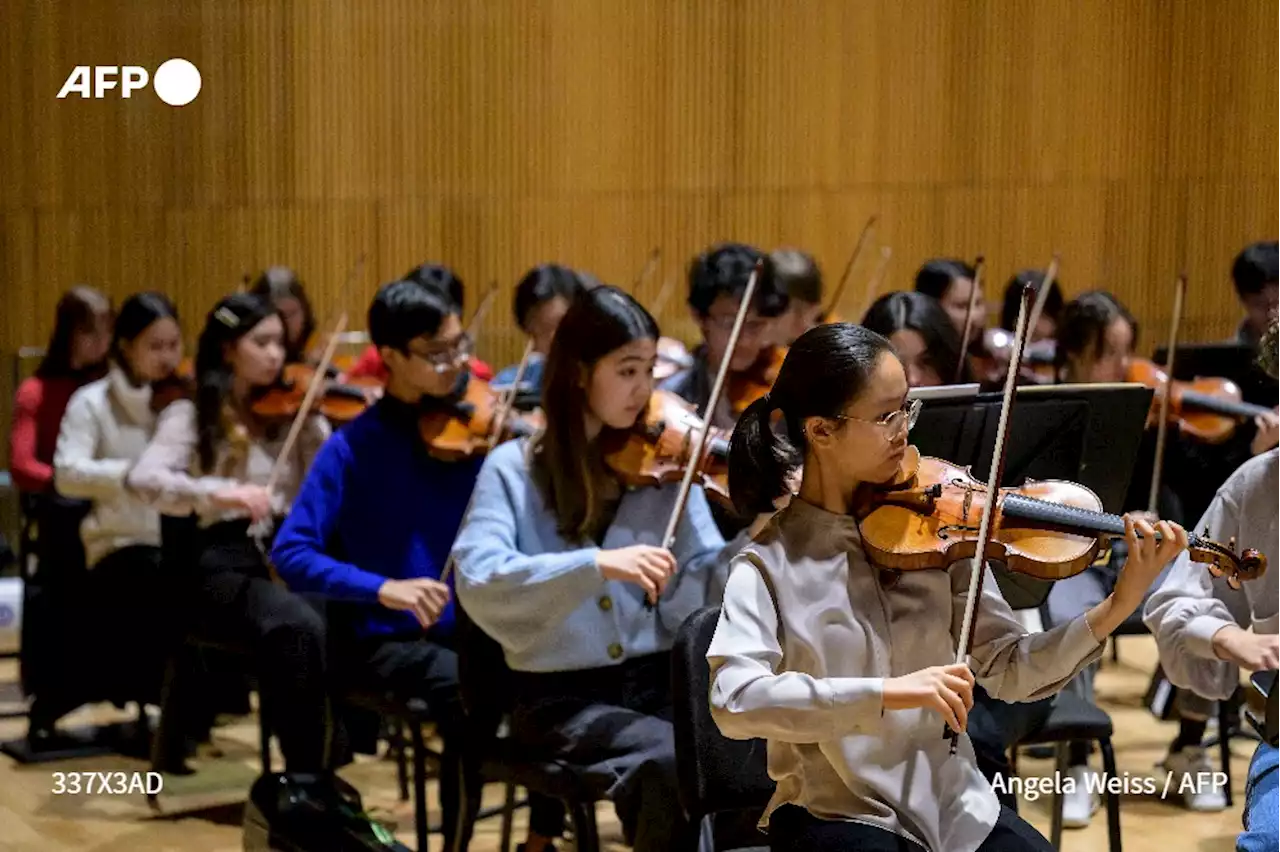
(1268, 434)
(1147, 558)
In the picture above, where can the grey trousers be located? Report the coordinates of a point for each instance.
(1076, 595)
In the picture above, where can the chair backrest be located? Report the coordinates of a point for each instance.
(483, 676)
(714, 772)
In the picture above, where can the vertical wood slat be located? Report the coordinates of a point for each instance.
(1133, 136)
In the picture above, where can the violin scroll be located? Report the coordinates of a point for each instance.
(1223, 561)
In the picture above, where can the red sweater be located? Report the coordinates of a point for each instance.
(370, 364)
(37, 416)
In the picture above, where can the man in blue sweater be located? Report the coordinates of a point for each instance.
(376, 517)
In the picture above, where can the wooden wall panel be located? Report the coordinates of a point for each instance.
(1132, 136)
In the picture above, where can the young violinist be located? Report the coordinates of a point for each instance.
(801, 279)
(75, 355)
(1255, 273)
(214, 457)
(541, 300)
(374, 521)
(1096, 335)
(107, 425)
(846, 669)
(1202, 626)
(1047, 326)
(281, 286)
(443, 280)
(557, 559)
(950, 281)
(717, 280)
(921, 334)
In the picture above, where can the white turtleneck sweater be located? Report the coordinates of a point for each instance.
(107, 425)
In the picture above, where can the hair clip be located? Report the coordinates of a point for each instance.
(227, 317)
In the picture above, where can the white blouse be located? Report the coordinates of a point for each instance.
(104, 430)
(808, 633)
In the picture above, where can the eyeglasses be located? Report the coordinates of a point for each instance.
(895, 421)
(441, 360)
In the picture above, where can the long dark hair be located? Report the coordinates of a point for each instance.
(231, 319)
(77, 311)
(1084, 323)
(278, 283)
(136, 315)
(1013, 297)
(925, 316)
(598, 322)
(825, 368)
(936, 276)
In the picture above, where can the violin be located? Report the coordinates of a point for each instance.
(339, 402)
(462, 426)
(171, 389)
(657, 449)
(1205, 409)
(1049, 530)
(751, 384)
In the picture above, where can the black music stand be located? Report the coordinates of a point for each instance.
(1083, 433)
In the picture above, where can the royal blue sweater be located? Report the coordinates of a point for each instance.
(374, 506)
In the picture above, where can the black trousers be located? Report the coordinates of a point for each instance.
(127, 626)
(424, 668)
(236, 603)
(614, 725)
(995, 727)
(794, 829)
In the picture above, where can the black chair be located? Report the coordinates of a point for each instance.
(716, 775)
(399, 714)
(1131, 626)
(1073, 719)
(484, 679)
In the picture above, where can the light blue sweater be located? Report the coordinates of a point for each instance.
(543, 599)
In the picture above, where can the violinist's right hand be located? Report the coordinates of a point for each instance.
(422, 596)
(644, 565)
(1253, 652)
(254, 499)
(946, 690)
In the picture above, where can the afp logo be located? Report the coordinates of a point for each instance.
(176, 81)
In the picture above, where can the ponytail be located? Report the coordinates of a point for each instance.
(759, 460)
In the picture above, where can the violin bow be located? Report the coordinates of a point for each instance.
(482, 309)
(978, 265)
(700, 443)
(863, 237)
(650, 264)
(1042, 295)
(876, 279)
(509, 395)
(1162, 427)
(977, 567)
(308, 400)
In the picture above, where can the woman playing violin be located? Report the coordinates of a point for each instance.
(214, 458)
(921, 334)
(556, 563)
(846, 669)
(105, 429)
(282, 287)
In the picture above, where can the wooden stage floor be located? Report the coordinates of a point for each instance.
(203, 811)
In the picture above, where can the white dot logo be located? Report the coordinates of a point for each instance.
(177, 82)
